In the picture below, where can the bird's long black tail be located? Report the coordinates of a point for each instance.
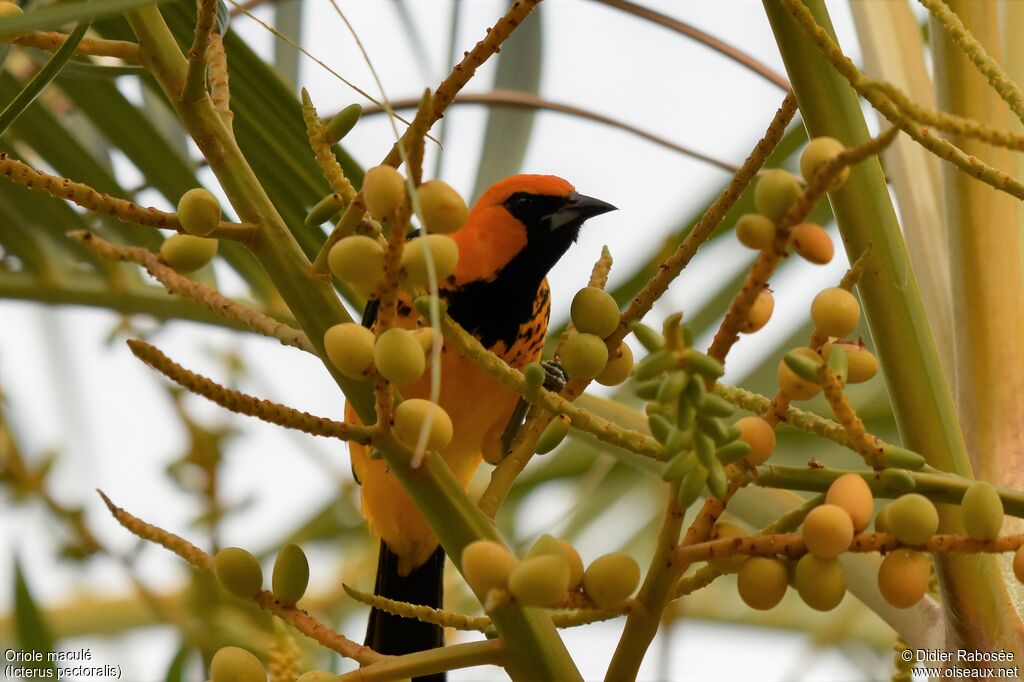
(390, 634)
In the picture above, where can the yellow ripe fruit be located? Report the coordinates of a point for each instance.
(812, 243)
(584, 356)
(444, 252)
(232, 664)
(792, 385)
(291, 574)
(383, 191)
(349, 347)
(198, 212)
(759, 435)
(239, 571)
(835, 312)
(982, 511)
(1018, 564)
(619, 367)
(816, 154)
(594, 311)
(9, 9)
(852, 493)
(540, 581)
(755, 231)
(861, 363)
(444, 210)
(358, 260)
(186, 253)
(611, 578)
(317, 676)
(827, 531)
(724, 530)
(820, 582)
(399, 356)
(913, 519)
(410, 416)
(762, 582)
(486, 566)
(903, 577)
(547, 544)
(775, 192)
(760, 312)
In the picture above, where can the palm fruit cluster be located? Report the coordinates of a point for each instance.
(585, 356)
(548, 575)
(198, 215)
(398, 355)
(242, 575)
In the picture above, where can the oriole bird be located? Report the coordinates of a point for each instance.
(515, 233)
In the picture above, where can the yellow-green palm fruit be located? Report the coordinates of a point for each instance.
(547, 544)
(399, 356)
(425, 336)
(618, 368)
(584, 356)
(444, 210)
(349, 347)
(982, 511)
(594, 311)
(775, 192)
(412, 414)
(317, 676)
(762, 582)
(727, 530)
(820, 582)
(793, 386)
(444, 252)
(358, 260)
(1018, 564)
(186, 253)
(552, 435)
(760, 436)
(611, 578)
(291, 574)
(913, 519)
(861, 364)
(817, 152)
(882, 519)
(9, 9)
(812, 243)
(383, 191)
(903, 577)
(755, 231)
(342, 123)
(487, 565)
(239, 571)
(198, 212)
(827, 531)
(233, 664)
(540, 581)
(835, 312)
(760, 312)
(852, 493)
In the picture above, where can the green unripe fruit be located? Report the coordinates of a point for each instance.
(882, 519)
(900, 458)
(186, 253)
(443, 251)
(232, 664)
(317, 676)
(383, 191)
(444, 210)
(611, 578)
(816, 154)
(812, 243)
(547, 544)
(775, 192)
(349, 347)
(792, 385)
(342, 123)
(913, 519)
(552, 435)
(324, 210)
(861, 364)
(725, 530)
(412, 414)
(584, 356)
(399, 356)
(760, 312)
(760, 436)
(198, 212)
(827, 531)
(851, 493)
(755, 231)
(594, 311)
(358, 260)
(835, 312)
(239, 571)
(732, 452)
(762, 582)
(425, 337)
(291, 574)
(534, 375)
(691, 485)
(982, 511)
(820, 582)
(702, 364)
(618, 368)
(486, 566)
(899, 480)
(903, 577)
(648, 338)
(540, 581)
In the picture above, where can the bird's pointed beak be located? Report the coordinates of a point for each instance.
(577, 208)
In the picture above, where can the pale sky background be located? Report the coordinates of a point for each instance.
(594, 57)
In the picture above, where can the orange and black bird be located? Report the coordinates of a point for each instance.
(515, 233)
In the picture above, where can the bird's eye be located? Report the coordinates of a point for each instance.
(517, 203)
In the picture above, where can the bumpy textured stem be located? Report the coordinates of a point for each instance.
(51, 42)
(340, 185)
(195, 79)
(220, 90)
